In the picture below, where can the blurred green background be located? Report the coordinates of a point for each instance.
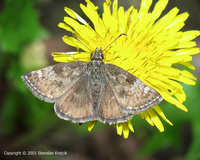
(28, 35)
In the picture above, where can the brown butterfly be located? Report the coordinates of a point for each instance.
(88, 91)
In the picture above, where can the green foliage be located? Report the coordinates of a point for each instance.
(19, 25)
(174, 136)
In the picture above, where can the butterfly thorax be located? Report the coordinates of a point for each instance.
(95, 75)
(95, 66)
(95, 72)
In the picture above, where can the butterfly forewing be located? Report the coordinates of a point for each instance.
(52, 82)
(132, 94)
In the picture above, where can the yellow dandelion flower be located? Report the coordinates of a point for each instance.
(151, 48)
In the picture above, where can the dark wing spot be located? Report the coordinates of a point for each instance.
(131, 79)
(57, 69)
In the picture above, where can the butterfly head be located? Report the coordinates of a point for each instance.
(97, 55)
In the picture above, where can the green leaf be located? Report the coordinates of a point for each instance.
(19, 25)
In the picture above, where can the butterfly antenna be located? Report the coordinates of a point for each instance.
(114, 41)
(79, 41)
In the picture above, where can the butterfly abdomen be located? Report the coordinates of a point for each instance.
(96, 81)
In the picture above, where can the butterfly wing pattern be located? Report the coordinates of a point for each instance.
(67, 84)
(76, 104)
(51, 82)
(88, 91)
(108, 109)
(132, 94)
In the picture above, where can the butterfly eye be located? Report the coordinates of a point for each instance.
(92, 55)
(102, 57)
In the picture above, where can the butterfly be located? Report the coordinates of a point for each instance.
(89, 91)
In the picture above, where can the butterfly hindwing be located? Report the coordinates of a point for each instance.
(76, 104)
(132, 94)
(52, 82)
(108, 109)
